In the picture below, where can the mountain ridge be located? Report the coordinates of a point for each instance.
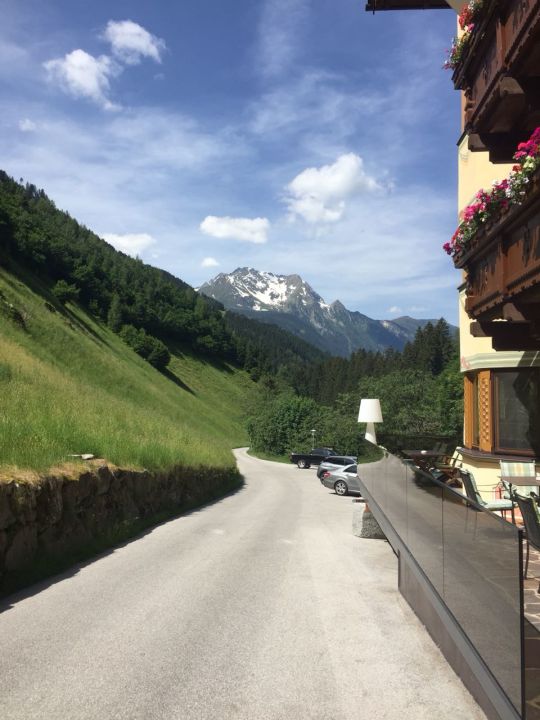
(291, 303)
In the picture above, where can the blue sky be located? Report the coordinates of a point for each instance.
(293, 136)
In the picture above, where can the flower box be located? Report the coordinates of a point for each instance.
(503, 263)
(497, 243)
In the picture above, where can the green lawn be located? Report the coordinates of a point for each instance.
(69, 385)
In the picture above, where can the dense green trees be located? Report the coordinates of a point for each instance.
(282, 422)
(421, 394)
(432, 349)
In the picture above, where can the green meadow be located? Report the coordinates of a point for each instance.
(68, 385)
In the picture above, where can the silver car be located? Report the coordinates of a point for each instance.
(343, 480)
(335, 462)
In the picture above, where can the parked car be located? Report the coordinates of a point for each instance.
(343, 480)
(334, 462)
(314, 457)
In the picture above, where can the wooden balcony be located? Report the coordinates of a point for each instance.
(500, 75)
(503, 276)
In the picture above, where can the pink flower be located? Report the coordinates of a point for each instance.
(503, 194)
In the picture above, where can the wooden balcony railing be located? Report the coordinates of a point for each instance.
(500, 75)
(503, 276)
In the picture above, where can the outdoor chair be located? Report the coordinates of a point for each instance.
(517, 469)
(522, 469)
(531, 519)
(445, 467)
(472, 492)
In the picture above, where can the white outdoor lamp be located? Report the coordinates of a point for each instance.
(370, 413)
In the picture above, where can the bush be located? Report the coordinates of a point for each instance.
(283, 424)
(64, 292)
(147, 346)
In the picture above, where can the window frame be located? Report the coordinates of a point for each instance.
(497, 448)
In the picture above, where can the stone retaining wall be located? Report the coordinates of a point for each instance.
(50, 523)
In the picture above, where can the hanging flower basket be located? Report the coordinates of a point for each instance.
(489, 205)
(468, 21)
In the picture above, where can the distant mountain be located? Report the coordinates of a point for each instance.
(288, 301)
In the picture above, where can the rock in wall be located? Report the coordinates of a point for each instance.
(58, 519)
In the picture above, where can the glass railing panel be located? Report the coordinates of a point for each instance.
(472, 559)
(396, 495)
(532, 658)
(424, 523)
(371, 475)
(482, 586)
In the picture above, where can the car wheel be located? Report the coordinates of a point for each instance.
(341, 487)
(301, 464)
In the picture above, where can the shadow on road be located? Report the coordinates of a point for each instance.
(139, 530)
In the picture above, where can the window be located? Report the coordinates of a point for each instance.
(517, 410)
(475, 413)
(502, 411)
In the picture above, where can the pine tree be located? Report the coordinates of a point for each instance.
(115, 318)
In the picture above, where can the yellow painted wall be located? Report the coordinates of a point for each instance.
(476, 172)
(469, 345)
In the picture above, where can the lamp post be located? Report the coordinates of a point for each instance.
(365, 524)
(313, 439)
(370, 413)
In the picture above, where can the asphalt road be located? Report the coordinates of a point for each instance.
(263, 605)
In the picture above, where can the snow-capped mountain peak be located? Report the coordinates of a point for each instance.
(291, 303)
(260, 290)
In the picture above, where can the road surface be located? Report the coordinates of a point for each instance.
(260, 606)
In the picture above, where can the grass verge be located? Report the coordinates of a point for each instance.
(68, 385)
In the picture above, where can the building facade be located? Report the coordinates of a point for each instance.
(496, 67)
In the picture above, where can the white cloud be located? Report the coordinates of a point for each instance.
(253, 230)
(131, 243)
(318, 194)
(209, 262)
(394, 310)
(130, 42)
(27, 125)
(15, 60)
(279, 30)
(82, 75)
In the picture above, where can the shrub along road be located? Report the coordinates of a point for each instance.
(262, 605)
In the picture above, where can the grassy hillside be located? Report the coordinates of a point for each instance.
(70, 385)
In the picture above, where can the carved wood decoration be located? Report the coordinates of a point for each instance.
(468, 424)
(500, 75)
(484, 411)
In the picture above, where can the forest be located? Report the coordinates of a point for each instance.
(420, 389)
